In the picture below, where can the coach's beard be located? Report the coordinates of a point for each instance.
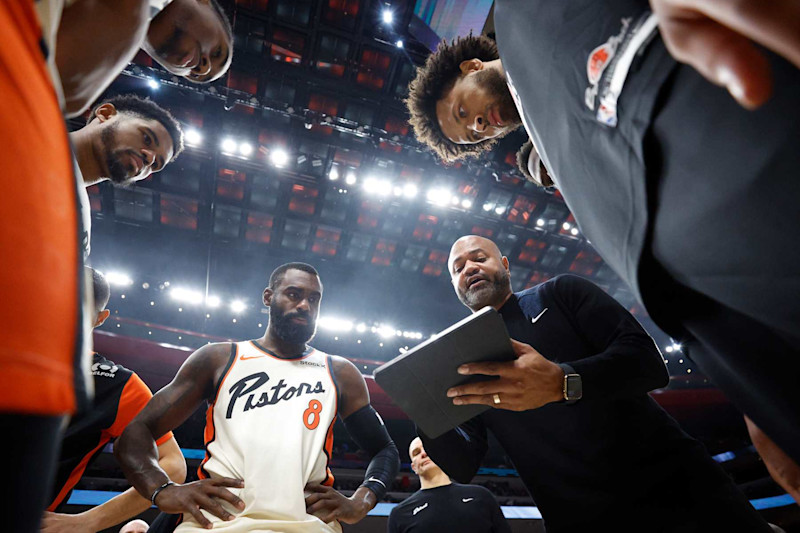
(489, 294)
(291, 332)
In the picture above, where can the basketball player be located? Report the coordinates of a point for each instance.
(272, 403)
(441, 505)
(126, 139)
(192, 38)
(119, 395)
(43, 374)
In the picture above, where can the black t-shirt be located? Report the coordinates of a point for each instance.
(454, 507)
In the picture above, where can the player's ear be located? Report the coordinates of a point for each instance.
(102, 316)
(105, 112)
(505, 262)
(470, 65)
(267, 296)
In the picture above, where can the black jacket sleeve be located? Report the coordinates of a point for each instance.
(626, 360)
(460, 451)
(499, 524)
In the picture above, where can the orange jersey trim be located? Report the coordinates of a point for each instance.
(209, 432)
(328, 449)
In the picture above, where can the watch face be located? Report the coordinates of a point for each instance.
(574, 387)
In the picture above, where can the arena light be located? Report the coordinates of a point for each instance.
(386, 331)
(466, 203)
(333, 175)
(668, 349)
(410, 190)
(574, 231)
(228, 145)
(499, 209)
(186, 295)
(350, 179)
(245, 149)
(193, 137)
(340, 325)
(237, 306)
(677, 347)
(377, 186)
(397, 191)
(387, 16)
(540, 222)
(153, 84)
(120, 279)
(399, 43)
(440, 197)
(488, 206)
(213, 301)
(279, 157)
(566, 226)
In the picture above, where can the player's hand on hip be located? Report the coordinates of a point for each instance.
(204, 494)
(781, 467)
(67, 523)
(717, 37)
(528, 382)
(328, 504)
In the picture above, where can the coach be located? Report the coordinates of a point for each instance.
(573, 413)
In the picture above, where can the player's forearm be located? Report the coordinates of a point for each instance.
(130, 503)
(137, 455)
(365, 498)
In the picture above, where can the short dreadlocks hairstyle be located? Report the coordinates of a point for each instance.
(433, 80)
(145, 108)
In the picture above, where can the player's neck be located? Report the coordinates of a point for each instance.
(439, 479)
(82, 141)
(281, 348)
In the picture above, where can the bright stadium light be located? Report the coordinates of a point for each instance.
(574, 231)
(399, 43)
(333, 175)
(439, 197)
(540, 222)
(229, 145)
(466, 203)
(153, 84)
(410, 190)
(279, 157)
(213, 301)
(246, 149)
(387, 16)
(499, 209)
(237, 306)
(386, 331)
(350, 179)
(120, 279)
(377, 186)
(566, 226)
(186, 295)
(193, 137)
(335, 324)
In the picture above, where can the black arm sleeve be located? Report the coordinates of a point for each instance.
(367, 429)
(626, 360)
(460, 451)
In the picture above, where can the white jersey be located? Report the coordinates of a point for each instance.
(271, 425)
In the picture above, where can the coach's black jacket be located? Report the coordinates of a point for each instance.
(691, 199)
(615, 457)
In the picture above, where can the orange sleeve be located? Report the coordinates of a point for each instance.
(134, 397)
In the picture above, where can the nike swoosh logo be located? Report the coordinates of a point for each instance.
(535, 320)
(245, 358)
(420, 508)
(465, 500)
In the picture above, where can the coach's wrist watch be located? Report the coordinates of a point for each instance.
(573, 385)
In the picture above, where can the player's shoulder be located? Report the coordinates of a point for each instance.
(106, 369)
(475, 491)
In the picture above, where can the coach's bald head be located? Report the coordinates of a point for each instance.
(479, 272)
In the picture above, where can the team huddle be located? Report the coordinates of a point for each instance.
(669, 134)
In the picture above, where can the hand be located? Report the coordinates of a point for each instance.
(67, 523)
(328, 504)
(781, 467)
(716, 38)
(529, 382)
(203, 494)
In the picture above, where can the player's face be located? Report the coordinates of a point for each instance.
(189, 40)
(133, 148)
(420, 462)
(478, 107)
(294, 307)
(478, 272)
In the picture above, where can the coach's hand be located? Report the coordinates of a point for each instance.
(716, 37)
(328, 504)
(203, 494)
(528, 382)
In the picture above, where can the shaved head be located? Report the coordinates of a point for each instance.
(479, 272)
